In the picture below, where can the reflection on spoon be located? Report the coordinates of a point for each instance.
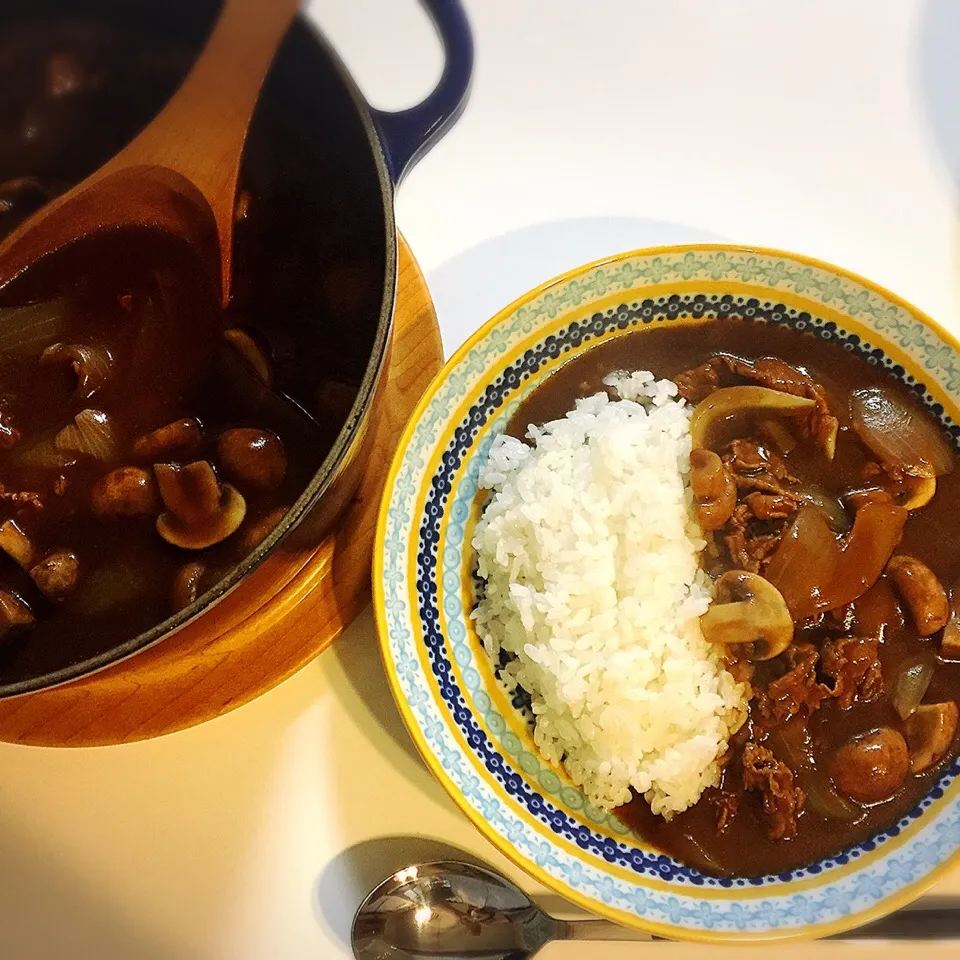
(446, 910)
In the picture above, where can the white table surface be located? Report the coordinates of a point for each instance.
(829, 127)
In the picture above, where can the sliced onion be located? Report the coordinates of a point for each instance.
(804, 562)
(90, 364)
(875, 534)
(815, 574)
(731, 401)
(26, 331)
(41, 453)
(91, 434)
(830, 506)
(824, 800)
(877, 611)
(911, 683)
(792, 744)
(898, 435)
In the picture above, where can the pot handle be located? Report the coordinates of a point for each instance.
(407, 135)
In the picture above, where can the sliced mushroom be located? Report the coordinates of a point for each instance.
(918, 491)
(14, 613)
(252, 458)
(16, 544)
(90, 365)
(748, 610)
(729, 401)
(921, 591)
(871, 768)
(91, 434)
(929, 731)
(174, 441)
(186, 585)
(125, 492)
(200, 511)
(714, 489)
(56, 574)
(950, 638)
(250, 352)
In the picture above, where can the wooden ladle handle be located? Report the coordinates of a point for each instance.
(213, 106)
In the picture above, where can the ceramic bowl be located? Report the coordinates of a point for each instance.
(475, 740)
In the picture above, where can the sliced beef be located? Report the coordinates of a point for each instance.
(853, 663)
(772, 506)
(782, 799)
(797, 692)
(727, 805)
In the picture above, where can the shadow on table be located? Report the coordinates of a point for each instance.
(478, 282)
(369, 700)
(352, 874)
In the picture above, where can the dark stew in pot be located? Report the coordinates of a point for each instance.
(149, 440)
(829, 499)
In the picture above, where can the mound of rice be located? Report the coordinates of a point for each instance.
(589, 549)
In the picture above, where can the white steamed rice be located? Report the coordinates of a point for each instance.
(589, 550)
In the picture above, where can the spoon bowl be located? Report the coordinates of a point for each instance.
(450, 909)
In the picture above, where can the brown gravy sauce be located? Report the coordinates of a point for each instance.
(932, 535)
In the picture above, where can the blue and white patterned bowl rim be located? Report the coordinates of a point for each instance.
(467, 730)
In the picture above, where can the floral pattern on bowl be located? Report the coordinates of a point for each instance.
(478, 742)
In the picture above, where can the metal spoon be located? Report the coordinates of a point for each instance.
(447, 910)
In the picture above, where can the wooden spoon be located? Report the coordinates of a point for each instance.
(179, 175)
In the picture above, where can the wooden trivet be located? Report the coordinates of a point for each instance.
(236, 652)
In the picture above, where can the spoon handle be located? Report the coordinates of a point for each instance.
(600, 930)
(216, 99)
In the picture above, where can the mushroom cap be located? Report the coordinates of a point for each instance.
(252, 458)
(871, 768)
(929, 732)
(728, 401)
(920, 491)
(192, 493)
(56, 575)
(208, 531)
(124, 492)
(200, 512)
(748, 609)
(181, 437)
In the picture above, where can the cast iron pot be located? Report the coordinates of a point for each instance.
(329, 165)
